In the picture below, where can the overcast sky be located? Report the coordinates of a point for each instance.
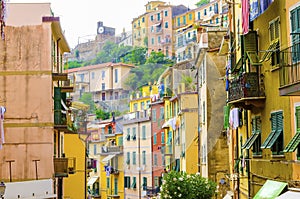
(79, 17)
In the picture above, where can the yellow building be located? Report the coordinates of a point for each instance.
(263, 135)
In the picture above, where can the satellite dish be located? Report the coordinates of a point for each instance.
(101, 30)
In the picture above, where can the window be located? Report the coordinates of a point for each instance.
(128, 158)
(153, 115)
(166, 24)
(275, 139)
(103, 86)
(127, 182)
(134, 157)
(128, 134)
(155, 138)
(205, 12)
(143, 19)
(169, 142)
(144, 132)
(217, 20)
(135, 106)
(166, 13)
(133, 185)
(255, 138)
(155, 159)
(93, 75)
(142, 105)
(107, 182)
(152, 41)
(294, 143)
(152, 28)
(184, 20)
(144, 183)
(295, 38)
(274, 31)
(199, 15)
(162, 113)
(116, 186)
(95, 149)
(133, 133)
(144, 157)
(162, 137)
(158, 16)
(158, 39)
(210, 8)
(120, 141)
(151, 18)
(103, 74)
(178, 21)
(116, 75)
(190, 16)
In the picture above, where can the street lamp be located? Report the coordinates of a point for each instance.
(2, 189)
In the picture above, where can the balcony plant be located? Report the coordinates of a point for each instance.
(189, 186)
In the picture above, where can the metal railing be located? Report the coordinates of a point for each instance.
(290, 65)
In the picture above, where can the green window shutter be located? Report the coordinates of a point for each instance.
(107, 182)
(116, 186)
(278, 128)
(226, 110)
(169, 138)
(144, 157)
(298, 117)
(144, 181)
(128, 158)
(162, 137)
(120, 141)
(144, 132)
(273, 131)
(57, 106)
(125, 182)
(293, 144)
(134, 157)
(155, 159)
(155, 139)
(133, 185)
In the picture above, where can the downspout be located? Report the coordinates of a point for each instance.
(247, 154)
(139, 153)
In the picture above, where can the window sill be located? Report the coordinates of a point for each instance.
(257, 156)
(278, 156)
(274, 68)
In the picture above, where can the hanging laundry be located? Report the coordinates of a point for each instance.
(2, 111)
(234, 118)
(245, 16)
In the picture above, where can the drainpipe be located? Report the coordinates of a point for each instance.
(139, 155)
(247, 154)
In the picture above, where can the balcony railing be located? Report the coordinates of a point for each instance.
(152, 191)
(290, 66)
(111, 149)
(64, 166)
(136, 116)
(245, 86)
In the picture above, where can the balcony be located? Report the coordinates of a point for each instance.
(137, 116)
(62, 114)
(152, 191)
(64, 166)
(111, 150)
(246, 91)
(290, 71)
(68, 86)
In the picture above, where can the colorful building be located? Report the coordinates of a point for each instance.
(263, 135)
(32, 151)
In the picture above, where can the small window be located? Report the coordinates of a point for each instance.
(166, 24)
(144, 157)
(144, 132)
(108, 182)
(134, 157)
(166, 13)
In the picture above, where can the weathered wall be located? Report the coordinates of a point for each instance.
(26, 93)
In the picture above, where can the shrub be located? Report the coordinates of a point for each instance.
(181, 185)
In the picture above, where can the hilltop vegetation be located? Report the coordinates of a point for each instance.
(148, 68)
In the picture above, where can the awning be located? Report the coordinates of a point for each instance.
(293, 144)
(108, 158)
(271, 189)
(248, 144)
(92, 180)
(229, 195)
(289, 195)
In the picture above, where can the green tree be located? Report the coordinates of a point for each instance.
(101, 114)
(202, 2)
(86, 98)
(188, 186)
